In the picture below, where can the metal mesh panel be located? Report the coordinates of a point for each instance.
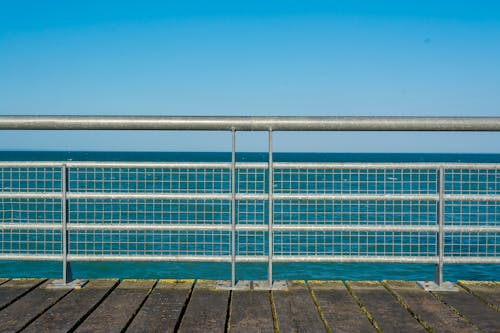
(251, 243)
(355, 181)
(252, 212)
(30, 179)
(472, 213)
(471, 244)
(141, 242)
(30, 242)
(132, 211)
(311, 243)
(149, 180)
(472, 181)
(141, 226)
(359, 212)
(251, 180)
(30, 211)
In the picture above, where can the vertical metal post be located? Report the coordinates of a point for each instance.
(270, 207)
(66, 269)
(438, 273)
(233, 208)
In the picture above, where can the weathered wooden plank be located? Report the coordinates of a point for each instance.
(295, 309)
(20, 313)
(15, 288)
(436, 316)
(385, 310)
(3, 280)
(207, 309)
(487, 291)
(115, 312)
(339, 309)
(479, 313)
(251, 312)
(162, 309)
(70, 310)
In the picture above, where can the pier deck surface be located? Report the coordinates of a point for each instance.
(106, 305)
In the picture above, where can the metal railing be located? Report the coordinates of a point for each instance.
(436, 213)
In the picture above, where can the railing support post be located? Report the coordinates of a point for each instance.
(438, 274)
(67, 276)
(233, 208)
(66, 266)
(438, 284)
(271, 212)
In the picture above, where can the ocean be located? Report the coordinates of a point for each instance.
(254, 271)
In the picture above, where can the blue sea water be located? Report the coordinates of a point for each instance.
(345, 271)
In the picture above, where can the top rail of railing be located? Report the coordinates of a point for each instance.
(221, 123)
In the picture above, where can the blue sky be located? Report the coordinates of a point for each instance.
(339, 58)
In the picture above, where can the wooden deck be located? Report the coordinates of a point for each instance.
(185, 306)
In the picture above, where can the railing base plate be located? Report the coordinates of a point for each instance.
(59, 284)
(433, 286)
(251, 285)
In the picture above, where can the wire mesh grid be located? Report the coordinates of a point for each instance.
(30, 179)
(142, 211)
(146, 242)
(355, 181)
(355, 212)
(251, 212)
(472, 181)
(472, 213)
(30, 242)
(30, 211)
(325, 243)
(251, 243)
(149, 180)
(251, 180)
(471, 244)
(212, 213)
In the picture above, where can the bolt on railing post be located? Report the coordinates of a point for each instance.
(438, 273)
(66, 268)
(233, 207)
(270, 207)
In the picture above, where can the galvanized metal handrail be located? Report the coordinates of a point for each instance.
(228, 123)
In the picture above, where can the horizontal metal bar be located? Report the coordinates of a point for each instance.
(30, 164)
(252, 228)
(149, 258)
(367, 258)
(472, 260)
(217, 123)
(186, 258)
(353, 228)
(373, 197)
(29, 226)
(151, 165)
(245, 196)
(33, 257)
(153, 227)
(251, 196)
(148, 196)
(243, 227)
(384, 165)
(30, 195)
(111, 226)
(262, 258)
(472, 197)
(469, 229)
(253, 165)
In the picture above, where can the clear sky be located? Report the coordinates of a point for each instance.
(339, 58)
